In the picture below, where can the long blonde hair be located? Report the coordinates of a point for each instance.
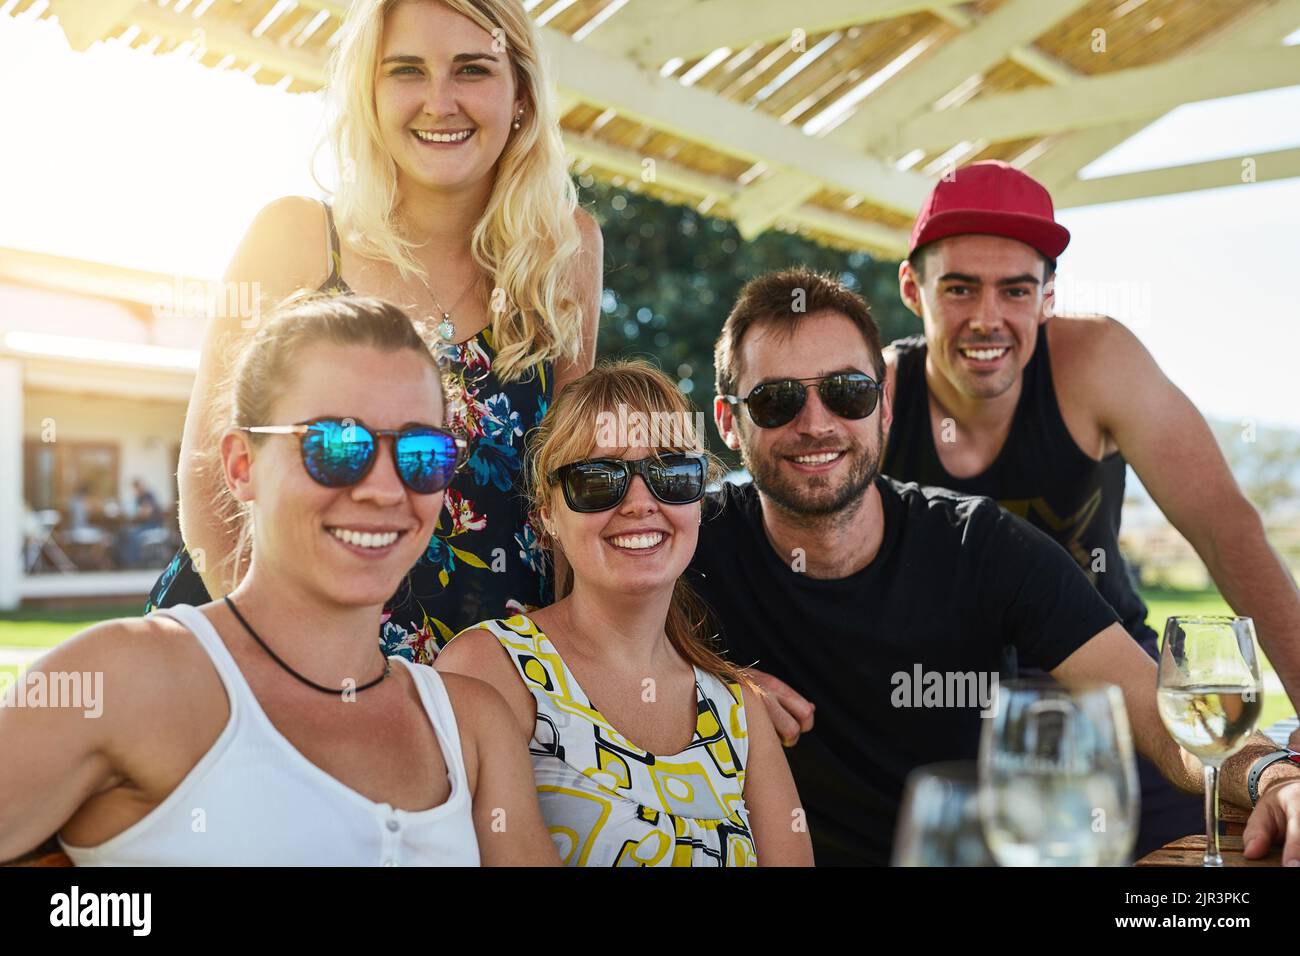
(527, 238)
(569, 433)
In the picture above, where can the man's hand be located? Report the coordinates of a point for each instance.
(791, 713)
(1276, 818)
(1294, 742)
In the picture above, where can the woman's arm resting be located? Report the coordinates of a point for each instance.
(507, 817)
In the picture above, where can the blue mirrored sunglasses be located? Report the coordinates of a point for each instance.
(338, 452)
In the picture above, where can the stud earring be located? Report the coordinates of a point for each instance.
(519, 119)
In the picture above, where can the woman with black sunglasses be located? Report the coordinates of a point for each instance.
(648, 748)
(267, 728)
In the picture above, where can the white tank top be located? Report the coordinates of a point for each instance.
(255, 800)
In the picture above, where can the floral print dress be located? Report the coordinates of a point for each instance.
(484, 560)
(484, 553)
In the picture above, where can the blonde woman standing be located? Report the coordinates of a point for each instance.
(455, 204)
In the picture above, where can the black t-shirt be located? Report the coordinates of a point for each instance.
(957, 583)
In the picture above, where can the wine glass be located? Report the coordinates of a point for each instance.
(1209, 696)
(1058, 776)
(939, 823)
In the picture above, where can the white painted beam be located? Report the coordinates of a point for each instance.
(1016, 23)
(753, 209)
(1058, 167)
(1110, 98)
(880, 239)
(1029, 57)
(86, 23)
(225, 38)
(670, 175)
(641, 94)
(1213, 174)
(873, 237)
(653, 31)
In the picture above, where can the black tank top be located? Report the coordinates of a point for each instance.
(1040, 474)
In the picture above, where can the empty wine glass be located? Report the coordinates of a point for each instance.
(1209, 696)
(939, 823)
(1058, 777)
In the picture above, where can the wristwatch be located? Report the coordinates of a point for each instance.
(1262, 764)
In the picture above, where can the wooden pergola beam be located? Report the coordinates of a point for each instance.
(1029, 57)
(226, 39)
(1014, 24)
(1058, 167)
(1213, 174)
(1111, 98)
(617, 83)
(653, 32)
(87, 23)
(877, 238)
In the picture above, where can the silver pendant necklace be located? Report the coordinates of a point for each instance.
(446, 329)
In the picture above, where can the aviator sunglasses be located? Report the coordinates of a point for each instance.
(338, 452)
(598, 484)
(850, 395)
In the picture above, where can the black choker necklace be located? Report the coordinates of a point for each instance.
(388, 665)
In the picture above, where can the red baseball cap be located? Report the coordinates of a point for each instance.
(991, 198)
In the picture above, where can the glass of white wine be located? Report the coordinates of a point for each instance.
(939, 822)
(1058, 776)
(1209, 696)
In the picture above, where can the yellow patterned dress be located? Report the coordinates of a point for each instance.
(606, 801)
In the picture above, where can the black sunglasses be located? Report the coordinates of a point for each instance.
(850, 395)
(338, 452)
(598, 484)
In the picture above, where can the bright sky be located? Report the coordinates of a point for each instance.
(156, 163)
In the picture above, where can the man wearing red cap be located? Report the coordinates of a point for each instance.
(1045, 416)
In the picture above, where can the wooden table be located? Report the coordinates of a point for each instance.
(1190, 850)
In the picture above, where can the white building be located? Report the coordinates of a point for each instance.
(95, 376)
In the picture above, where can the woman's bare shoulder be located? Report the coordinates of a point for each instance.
(593, 240)
(285, 248)
(156, 635)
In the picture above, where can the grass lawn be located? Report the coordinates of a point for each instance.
(46, 628)
(1164, 604)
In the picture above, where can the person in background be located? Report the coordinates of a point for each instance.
(264, 728)
(145, 526)
(454, 203)
(648, 748)
(147, 513)
(90, 544)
